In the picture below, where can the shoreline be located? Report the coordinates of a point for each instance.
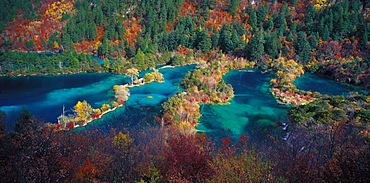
(92, 119)
(100, 116)
(49, 74)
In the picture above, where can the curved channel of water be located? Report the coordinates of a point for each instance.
(253, 111)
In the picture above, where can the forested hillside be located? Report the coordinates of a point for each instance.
(324, 35)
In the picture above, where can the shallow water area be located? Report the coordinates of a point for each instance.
(253, 111)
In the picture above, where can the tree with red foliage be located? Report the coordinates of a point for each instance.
(32, 153)
(187, 158)
(86, 173)
(71, 125)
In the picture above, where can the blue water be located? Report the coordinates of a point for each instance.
(144, 103)
(252, 112)
(312, 82)
(45, 96)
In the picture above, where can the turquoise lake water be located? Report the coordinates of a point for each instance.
(253, 111)
(45, 96)
(323, 85)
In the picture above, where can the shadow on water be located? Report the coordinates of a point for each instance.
(324, 85)
(126, 119)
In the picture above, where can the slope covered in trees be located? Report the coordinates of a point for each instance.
(322, 35)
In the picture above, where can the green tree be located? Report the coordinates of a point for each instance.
(226, 43)
(25, 120)
(106, 65)
(303, 48)
(269, 25)
(272, 45)
(215, 39)
(117, 66)
(252, 21)
(103, 48)
(326, 34)
(261, 14)
(234, 39)
(67, 42)
(294, 2)
(130, 50)
(139, 60)
(234, 7)
(205, 42)
(310, 17)
(30, 45)
(365, 36)
(256, 47)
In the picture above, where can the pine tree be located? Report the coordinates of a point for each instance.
(294, 2)
(261, 14)
(235, 40)
(67, 42)
(234, 7)
(205, 42)
(139, 60)
(269, 25)
(272, 45)
(365, 36)
(256, 47)
(326, 34)
(130, 50)
(313, 40)
(225, 40)
(303, 48)
(215, 39)
(252, 21)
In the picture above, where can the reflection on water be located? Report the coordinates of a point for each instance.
(311, 82)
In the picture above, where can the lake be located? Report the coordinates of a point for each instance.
(324, 85)
(45, 96)
(253, 111)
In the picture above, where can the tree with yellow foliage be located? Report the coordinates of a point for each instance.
(83, 111)
(56, 45)
(132, 73)
(105, 107)
(122, 141)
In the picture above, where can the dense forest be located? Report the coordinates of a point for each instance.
(329, 135)
(325, 36)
